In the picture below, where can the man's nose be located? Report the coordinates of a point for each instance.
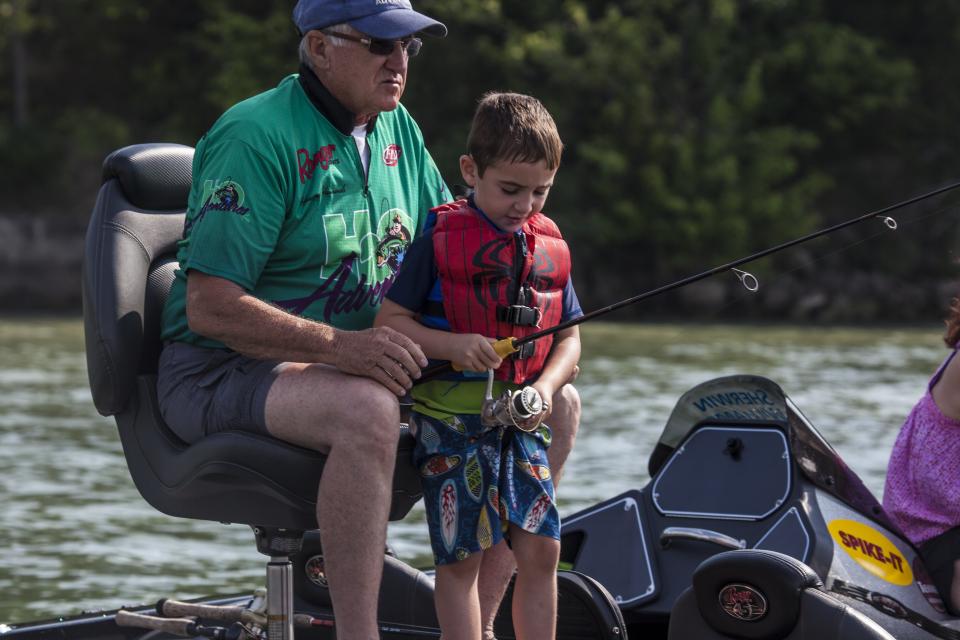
(398, 58)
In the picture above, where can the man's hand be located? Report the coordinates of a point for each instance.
(385, 355)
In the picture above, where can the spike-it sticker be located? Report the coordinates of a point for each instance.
(872, 550)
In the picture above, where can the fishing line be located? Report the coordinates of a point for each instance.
(901, 226)
(510, 345)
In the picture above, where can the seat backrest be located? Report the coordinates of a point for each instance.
(755, 594)
(128, 264)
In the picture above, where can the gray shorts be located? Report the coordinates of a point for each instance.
(204, 391)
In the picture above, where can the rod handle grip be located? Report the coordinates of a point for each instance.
(503, 347)
(184, 627)
(177, 609)
(306, 621)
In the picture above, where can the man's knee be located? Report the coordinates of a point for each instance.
(374, 422)
(566, 413)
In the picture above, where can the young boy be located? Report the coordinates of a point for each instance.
(491, 267)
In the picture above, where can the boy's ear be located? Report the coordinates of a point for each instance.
(468, 169)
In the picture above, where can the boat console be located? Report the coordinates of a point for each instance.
(738, 467)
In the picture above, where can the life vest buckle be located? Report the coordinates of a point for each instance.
(524, 351)
(519, 315)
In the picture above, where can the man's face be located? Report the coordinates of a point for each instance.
(365, 83)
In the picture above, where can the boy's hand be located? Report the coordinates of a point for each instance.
(546, 393)
(473, 352)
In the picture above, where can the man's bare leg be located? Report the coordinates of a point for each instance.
(355, 420)
(498, 563)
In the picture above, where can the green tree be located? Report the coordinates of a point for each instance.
(695, 131)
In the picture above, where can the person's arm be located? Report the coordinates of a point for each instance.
(470, 351)
(946, 392)
(222, 310)
(560, 365)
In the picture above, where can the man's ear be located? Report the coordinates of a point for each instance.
(468, 169)
(319, 48)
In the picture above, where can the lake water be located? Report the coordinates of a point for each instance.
(77, 535)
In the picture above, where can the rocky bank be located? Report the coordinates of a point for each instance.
(40, 259)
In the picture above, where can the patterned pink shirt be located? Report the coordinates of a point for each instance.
(922, 492)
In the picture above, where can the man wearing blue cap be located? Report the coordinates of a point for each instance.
(296, 192)
(304, 200)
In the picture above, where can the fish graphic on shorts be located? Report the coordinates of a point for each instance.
(448, 514)
(438, 465)
(456, 424)
(484, 530)
(473, 477)
(537, 513)
(429, 436)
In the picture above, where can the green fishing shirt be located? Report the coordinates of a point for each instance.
(280, 205)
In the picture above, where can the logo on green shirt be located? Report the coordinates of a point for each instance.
(361, 279)
(226, 196)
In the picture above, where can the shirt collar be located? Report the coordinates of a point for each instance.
(328, 106)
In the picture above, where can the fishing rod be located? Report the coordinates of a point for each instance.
(507, 346)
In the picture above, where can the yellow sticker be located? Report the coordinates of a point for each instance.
(872, 551)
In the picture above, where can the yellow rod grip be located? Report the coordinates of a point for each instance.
(504, 347)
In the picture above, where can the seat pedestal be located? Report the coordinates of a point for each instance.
(279, 544)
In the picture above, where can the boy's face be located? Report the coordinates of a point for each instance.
(509, 192)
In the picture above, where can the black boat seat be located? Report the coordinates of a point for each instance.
(128, 266)
(755, 594)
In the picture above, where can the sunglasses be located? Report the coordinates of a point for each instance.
(379, 47)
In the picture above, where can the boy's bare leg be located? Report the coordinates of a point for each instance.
(535, 592)
(455, 595)
(498, 562)
(355, 420)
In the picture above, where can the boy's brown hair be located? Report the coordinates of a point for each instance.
(512, 127)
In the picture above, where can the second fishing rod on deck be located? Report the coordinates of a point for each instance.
(507, 346)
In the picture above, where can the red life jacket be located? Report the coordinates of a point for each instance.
(487, 277)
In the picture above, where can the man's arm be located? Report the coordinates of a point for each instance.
(222, 310)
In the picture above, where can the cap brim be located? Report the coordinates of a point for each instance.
(398, 23)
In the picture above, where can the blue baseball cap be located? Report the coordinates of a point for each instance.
(386, 19)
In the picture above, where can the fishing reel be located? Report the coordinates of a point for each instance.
(522, 408)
